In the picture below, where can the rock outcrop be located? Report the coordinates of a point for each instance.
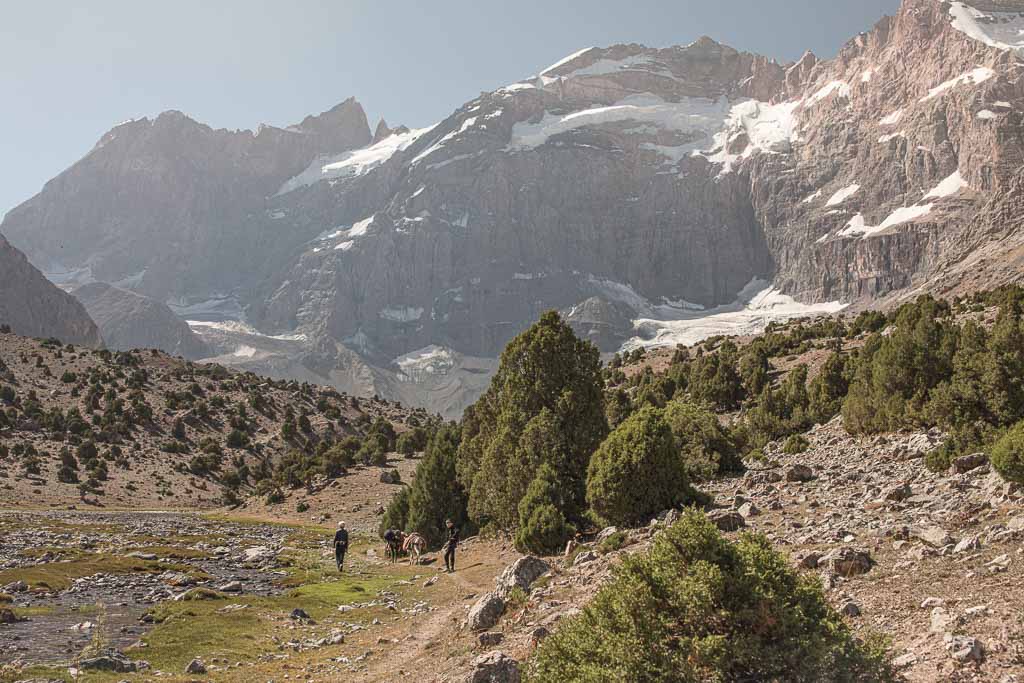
(32, 306)
(132, 321)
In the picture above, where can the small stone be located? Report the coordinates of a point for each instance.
(850, 609)
(930, 603)
(490, 638)
(965, 648)
(494, 667)
(748, 510)
(846, 561)
(196, 666)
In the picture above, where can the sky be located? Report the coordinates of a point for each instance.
(70, 71)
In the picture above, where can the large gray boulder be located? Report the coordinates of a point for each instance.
(485, 613)
(521, 573)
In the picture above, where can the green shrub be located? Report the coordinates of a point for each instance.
(636, 473)
(705, 446)
(612, 542)
(1008, 454)
(697, 608)
(795, 443)
(543, 529)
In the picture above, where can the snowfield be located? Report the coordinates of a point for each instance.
(353, 163)
(1003, 30)
(757, 305)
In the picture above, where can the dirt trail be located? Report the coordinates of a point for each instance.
(424, 650)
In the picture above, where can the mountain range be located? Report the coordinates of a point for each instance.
(654, 196)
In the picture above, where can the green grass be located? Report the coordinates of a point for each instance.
(187, 629)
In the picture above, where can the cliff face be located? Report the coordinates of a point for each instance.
(172, 207)
(650, 194)
(34, 307)
(131, 321)
(908, 167)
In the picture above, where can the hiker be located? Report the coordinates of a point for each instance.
(340, 545)
(450, 545)
(393, 537)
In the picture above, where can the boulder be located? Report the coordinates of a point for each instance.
(485, 613)
(799, 473)
(494, 667)
(748, 510)
(585, 557)
(112, 660)
(846, 561)
(390, 477)
(522, 573)
(606, 532)
(196, 666)
(934, 536)
(966, 463)
(727, 520)
(965, 648)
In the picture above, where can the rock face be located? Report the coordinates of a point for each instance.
(173, 207)
(630, 187)
(132, 321)
(34, 307)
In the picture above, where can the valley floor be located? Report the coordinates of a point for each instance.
(933, 562)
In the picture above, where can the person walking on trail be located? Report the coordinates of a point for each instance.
(340, 545)
(450, 545)
(393, 537)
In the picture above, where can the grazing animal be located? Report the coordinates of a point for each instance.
(414, 545)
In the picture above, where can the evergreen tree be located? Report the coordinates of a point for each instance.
(637, 471)
(436, 494)
(545, 368)
(543, 529)
(705, 447)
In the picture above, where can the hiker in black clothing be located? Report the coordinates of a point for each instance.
(393, 537)
(340, 545)
(450, 545)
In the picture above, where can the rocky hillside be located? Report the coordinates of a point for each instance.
(142, 429)
(652, 195)
(31, 305)
(131, 321)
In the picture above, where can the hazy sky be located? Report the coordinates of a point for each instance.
(71, 71)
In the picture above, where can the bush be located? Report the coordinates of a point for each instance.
(612, 542)
(796, 443)
(543, 529)
(238, 439)
(1008, 454)
(697, 607)
(636, 473)
(706, 447)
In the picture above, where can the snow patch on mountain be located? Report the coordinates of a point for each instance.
(974, 77)
(948, 187)
(1003, 30)
(353, 163)
(858, 226)
(842, 195)
(756, 305)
